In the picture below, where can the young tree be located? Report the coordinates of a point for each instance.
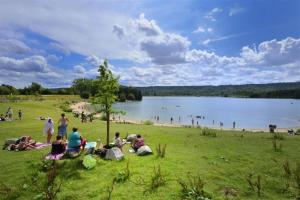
(107, 88)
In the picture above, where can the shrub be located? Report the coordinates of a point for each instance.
(85, 95)
(297, 179)
(7, 192)
(122, 176)
(158, 179)
(209, 132)
(277, 146)
(254, 185)
(161, 150)
(65, 106)
(278, 136)
(148, 122)
(43, 181)
(193, 188)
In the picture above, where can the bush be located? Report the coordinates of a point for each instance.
(278, 136)
(148, 122)
(193, 189)
(209, 132)
(122, 176)
(158, 179)
(85, 95)
(277, 146)
(161, 150)
(254, 185)
(65, 106)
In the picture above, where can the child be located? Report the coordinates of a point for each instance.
(58, 146)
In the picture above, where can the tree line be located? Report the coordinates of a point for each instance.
(84, 87)
(271, 90)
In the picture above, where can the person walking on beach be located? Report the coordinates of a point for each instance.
(171, 120)
(20, 114)
(49, 129)
(62, 126)
(233, 125)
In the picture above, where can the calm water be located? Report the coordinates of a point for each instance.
(247, 113)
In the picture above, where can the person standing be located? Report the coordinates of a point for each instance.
(233, 125)
(193, 122)
(62, 126)
(171, 120)
(82, 117)
(49, 129)
(9, 113)
(20, 114)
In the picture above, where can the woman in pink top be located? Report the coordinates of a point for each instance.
(139, 141)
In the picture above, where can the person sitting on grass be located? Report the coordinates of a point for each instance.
(24, 143)
(118, 141)
(138, 142)
(75, 141)
(58, 146)
(2, 118)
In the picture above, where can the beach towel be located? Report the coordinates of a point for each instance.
(39, 145)
(49, 125)
(54, 156)
(90, 145)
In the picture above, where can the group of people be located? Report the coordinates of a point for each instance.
(21, 144)
(137, 142)
(75, 140)
(9, 115)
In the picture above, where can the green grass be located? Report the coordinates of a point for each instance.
(222, 162)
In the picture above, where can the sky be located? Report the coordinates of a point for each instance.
(150, 42)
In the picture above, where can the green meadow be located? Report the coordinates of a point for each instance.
(223, 161)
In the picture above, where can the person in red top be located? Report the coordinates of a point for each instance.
(138, 142)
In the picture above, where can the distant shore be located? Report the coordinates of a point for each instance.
(82, 107)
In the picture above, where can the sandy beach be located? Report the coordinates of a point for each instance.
(82, 106)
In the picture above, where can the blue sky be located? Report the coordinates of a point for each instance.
(189, 42)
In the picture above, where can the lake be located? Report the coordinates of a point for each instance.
(246, 112)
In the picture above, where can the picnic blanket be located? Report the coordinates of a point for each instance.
(54, 156)
(39, 145)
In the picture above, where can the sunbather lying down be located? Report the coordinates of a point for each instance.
(23, 143)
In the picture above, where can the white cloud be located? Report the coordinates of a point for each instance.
(211, 15)
(201, 29)
(149, 27)
(26, 65)
(60, 48)
(235, 11)
(118, 30)
(209, 40)
(273, 52)
(13, 46)
(168, 49)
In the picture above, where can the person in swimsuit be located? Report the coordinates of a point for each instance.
(62, 126)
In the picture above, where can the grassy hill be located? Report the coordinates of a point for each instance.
(223, 162)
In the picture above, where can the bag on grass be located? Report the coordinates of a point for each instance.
(114, 154)
(89, 162)
(144, 150)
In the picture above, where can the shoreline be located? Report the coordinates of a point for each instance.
(82, 106)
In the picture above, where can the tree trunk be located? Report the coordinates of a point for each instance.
(107, 127)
